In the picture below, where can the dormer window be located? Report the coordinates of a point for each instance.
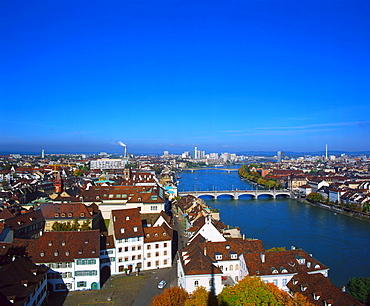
(127, 218)
(164, 234)
(317, 266)
(56, 215)
(274, 271)
(303, 288)
(122, 230)
(156, 234)
(82, 215)
(63, 215)
(63, 243)
(308, 264)
(135, 229)
(147, 235)
(56, 253)
(218, 257)
(316, 296)
(42, 254)
(283, 270)
(69, 215)
(50, 243)
(295, 282)
(67, 253)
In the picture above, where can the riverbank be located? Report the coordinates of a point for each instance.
(337, 209)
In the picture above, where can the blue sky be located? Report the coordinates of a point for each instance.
(227, 76)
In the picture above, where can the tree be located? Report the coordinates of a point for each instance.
(253, 291)
(249, 291)
(77, 172)
(201, 297)
(315, 197)
(86, 225)
(359, 288)
(175, 296)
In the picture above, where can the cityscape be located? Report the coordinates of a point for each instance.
(83, 221)
(184, 152)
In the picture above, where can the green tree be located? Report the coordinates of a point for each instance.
(201, 297)
(249, 291)
(86, 225)
(359, 288)
(77, 172)
(315, 197)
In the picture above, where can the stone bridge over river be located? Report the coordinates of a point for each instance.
(235, 194)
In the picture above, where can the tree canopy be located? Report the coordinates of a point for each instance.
(359, 288)
(175, 296)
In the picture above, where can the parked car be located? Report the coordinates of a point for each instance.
(162, 284)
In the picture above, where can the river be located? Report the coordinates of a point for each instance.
(340, 242)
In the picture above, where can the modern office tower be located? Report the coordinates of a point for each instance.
(43, 154)
(280, 156)
(195, 153)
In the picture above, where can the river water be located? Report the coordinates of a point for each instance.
(342, 243)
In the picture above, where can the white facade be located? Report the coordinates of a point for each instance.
(79, 274)
(106, 163)
(157, 255)
(129, 254)
(212, 282)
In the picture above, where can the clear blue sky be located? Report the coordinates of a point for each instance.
(227, 76)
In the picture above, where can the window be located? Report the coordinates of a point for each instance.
(236, 278)
(122, 230)
(134, 248)
(165, 253)
(148, 247)
(120, 259)
(231, 267)
(148, 255)
(149, 264)
(157, 263)
(165, 262)
(82, 214)
(154, 197)
(155, 207)
(127, 218)
(133, 257)
(156, 254)
(126, 258)
(196, 284)
(81, 284)
(110, 196)
(285, 281)
(139, 247)
(135, 229)
(165, 245)
(157, 246)
(275, 281)
(86, 273)
(236, 267)
(119, 250)
(139, 256)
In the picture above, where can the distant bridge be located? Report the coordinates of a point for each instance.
(211, 168)
(235, 194)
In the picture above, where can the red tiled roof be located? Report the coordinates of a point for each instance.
(282, 262)
(157, 233)
(127, 223)
(318, 289)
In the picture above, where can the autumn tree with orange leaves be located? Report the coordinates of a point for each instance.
(175, 296)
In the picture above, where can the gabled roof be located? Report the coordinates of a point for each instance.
(19, 279)
(68, 211)
(157, 233)
(26, 219)
(232, 246)
(64, 246)
(127, 223)
(196, 261)
(317, 289)
(278, 262)
(107, 242)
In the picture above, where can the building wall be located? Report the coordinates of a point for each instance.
(157, 255)
(129, 254)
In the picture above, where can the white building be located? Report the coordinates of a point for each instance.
(279, 267)
(106, 163)
(72, 258)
